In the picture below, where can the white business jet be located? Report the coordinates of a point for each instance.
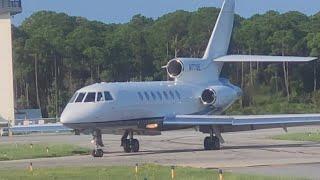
(196, 98)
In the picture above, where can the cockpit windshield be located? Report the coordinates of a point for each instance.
(100, 97)
(91, 97)
(87, 97)
(73, 98)
(107, 96)
(80, 97)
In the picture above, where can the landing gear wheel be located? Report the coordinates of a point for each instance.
(211, 143)
(97, 153)
(135, 145)
(216, 143)
(131, 145)
(208, 144)
(126, 145)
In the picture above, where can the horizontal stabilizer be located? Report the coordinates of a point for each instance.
(255, 58)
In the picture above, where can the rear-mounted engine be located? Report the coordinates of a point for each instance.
(174, 68)
(208, 97)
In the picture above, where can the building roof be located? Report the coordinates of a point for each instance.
(10, 6)
(31, 114)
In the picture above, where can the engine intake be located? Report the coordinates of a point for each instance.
(174, 68)
(208, 96)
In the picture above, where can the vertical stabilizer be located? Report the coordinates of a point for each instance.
(219, 41)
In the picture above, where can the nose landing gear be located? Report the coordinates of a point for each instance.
(97, 138)
(131, 144)
(97, 153)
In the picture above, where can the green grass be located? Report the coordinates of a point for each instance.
(25, 151)
(299, 137)
(150, 172)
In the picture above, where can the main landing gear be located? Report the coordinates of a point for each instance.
(97, 138)
(212, 142)
(131, 144)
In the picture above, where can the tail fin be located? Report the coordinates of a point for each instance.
(219, 42)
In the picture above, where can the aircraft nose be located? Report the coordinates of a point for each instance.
(67, 116)
(74, 114)
(64, 118)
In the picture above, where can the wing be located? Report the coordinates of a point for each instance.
(244, 123)
(254, 58)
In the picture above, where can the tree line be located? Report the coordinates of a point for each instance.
(55, 54)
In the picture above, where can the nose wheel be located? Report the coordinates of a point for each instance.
(131, 144)
(97, 153)
(97, 138)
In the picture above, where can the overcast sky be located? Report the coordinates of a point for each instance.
(119, 11)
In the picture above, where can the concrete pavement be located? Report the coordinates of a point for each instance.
(243, 152)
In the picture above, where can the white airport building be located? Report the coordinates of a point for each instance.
(8, 8)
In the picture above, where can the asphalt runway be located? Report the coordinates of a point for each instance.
(244, 152)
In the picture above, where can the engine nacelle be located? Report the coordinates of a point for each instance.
(220, 96)
(208, 96)
(177, 68)
(174, 68)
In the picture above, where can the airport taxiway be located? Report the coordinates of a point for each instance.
(244, 152)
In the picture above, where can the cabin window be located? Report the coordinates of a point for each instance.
(147, 96)
(140, 96)
(91, 97)
(80, 97)
(107, 96)
(73, 98)
(178, 94)
(153, 96)
(165, 94)
(100, 97)
(159, 95)
(171, 94)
